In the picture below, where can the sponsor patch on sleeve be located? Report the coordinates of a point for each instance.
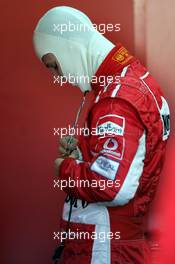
(105, 167)
(110, 125)
(122, 56)
(114, 147)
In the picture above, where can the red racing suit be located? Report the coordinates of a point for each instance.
(120, 166)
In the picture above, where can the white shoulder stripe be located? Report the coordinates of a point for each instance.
(144, 76)
(115, 91)
(125, 69)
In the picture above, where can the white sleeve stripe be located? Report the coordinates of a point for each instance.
(131, 183)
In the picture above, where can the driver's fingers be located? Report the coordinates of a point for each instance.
(62, 150)
(63, 142)
(69, 142)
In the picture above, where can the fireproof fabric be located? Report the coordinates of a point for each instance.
(71, 37)
(114, 184)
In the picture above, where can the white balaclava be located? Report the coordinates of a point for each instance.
(71, 37)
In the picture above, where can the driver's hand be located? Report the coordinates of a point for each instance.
(68, 144)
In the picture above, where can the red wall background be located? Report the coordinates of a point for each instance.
(160, 54)
(31, 106)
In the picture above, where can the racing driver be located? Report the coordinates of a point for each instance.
(132, 122)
